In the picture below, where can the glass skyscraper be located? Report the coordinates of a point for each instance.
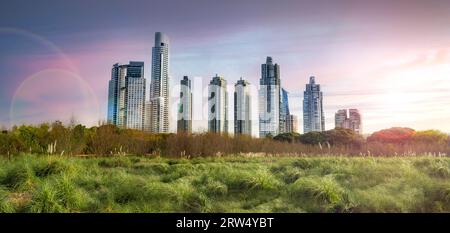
(242, 108)
(352, 120)
(159, 87)
(184, 123)
(218, 105)
(126, 96)
(269, 99)
(284, 110)
(313, 116)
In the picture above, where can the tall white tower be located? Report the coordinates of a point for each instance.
(184, 123)
(126, 97)
(218, 105)
(242, 108)
(159, 87)
(313, 116)
(269, 99)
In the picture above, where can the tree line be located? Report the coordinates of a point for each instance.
(108, 140)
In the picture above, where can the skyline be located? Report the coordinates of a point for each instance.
(390, 61)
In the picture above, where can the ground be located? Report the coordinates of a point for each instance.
(41, 183)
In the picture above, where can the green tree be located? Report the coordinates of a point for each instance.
(312, 138)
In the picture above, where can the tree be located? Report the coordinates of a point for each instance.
(430, 137)
(312, 138)
(392, 135)
(287, 137)
(341, 136)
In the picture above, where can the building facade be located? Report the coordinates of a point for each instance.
(159, 87)
(351, 121)
(356, 120)
(291, 124)
(242, 108)
(147, 117)
(269, 99)
(126, 96)
(184, 123)
(218, 105)
(341, 119)
(313, 116)
(284, 110)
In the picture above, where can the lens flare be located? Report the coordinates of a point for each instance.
(51, 95)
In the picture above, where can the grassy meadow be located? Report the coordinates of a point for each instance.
(32, 183)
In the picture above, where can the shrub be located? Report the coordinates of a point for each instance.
(115, 162)
(49, 167)
(392, 135)
(319, 193)
(196, 202)
(437, 199)
(45, 199)
(17, 175)
(5, 204)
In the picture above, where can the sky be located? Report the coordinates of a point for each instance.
(389, 59)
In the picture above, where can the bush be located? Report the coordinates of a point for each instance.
(49, 167)
(319, 193)
(17, 176)
(45, 199)
(392, 135)
(115, 162)
(5, 204)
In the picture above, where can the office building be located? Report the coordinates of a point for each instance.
(184, 123)
(218, 105)
(313, 116)
(269, 99)
(126, 96)
(284, 110)
(242, 108)
(159, 87)
(352, 120)
(291, 124)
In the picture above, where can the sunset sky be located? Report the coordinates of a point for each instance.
(389, 59)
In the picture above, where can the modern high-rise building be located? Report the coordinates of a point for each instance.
(291, 124)
(284, 110)
(159, 87)
(269, 99)
(341, 119)
(147, 116)
(356, 120)
(126, 96)
(313, 116)
(242, 108)
(351, 121)
(184, 123)
(218, 105)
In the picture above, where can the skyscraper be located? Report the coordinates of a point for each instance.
(147, 116)
(356, 120)
(185, 107)
(313, 116)
(291, 124)
(284, 110)
(351, 121)
(269, 99)
(159, 87)
(218, 105)
(126, 96)
(242, 108)
(341, 119)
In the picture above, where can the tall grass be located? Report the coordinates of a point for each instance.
(30, 183)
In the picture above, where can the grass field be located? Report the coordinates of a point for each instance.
(233, 184)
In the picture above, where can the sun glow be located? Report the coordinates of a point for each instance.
(415, 92)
